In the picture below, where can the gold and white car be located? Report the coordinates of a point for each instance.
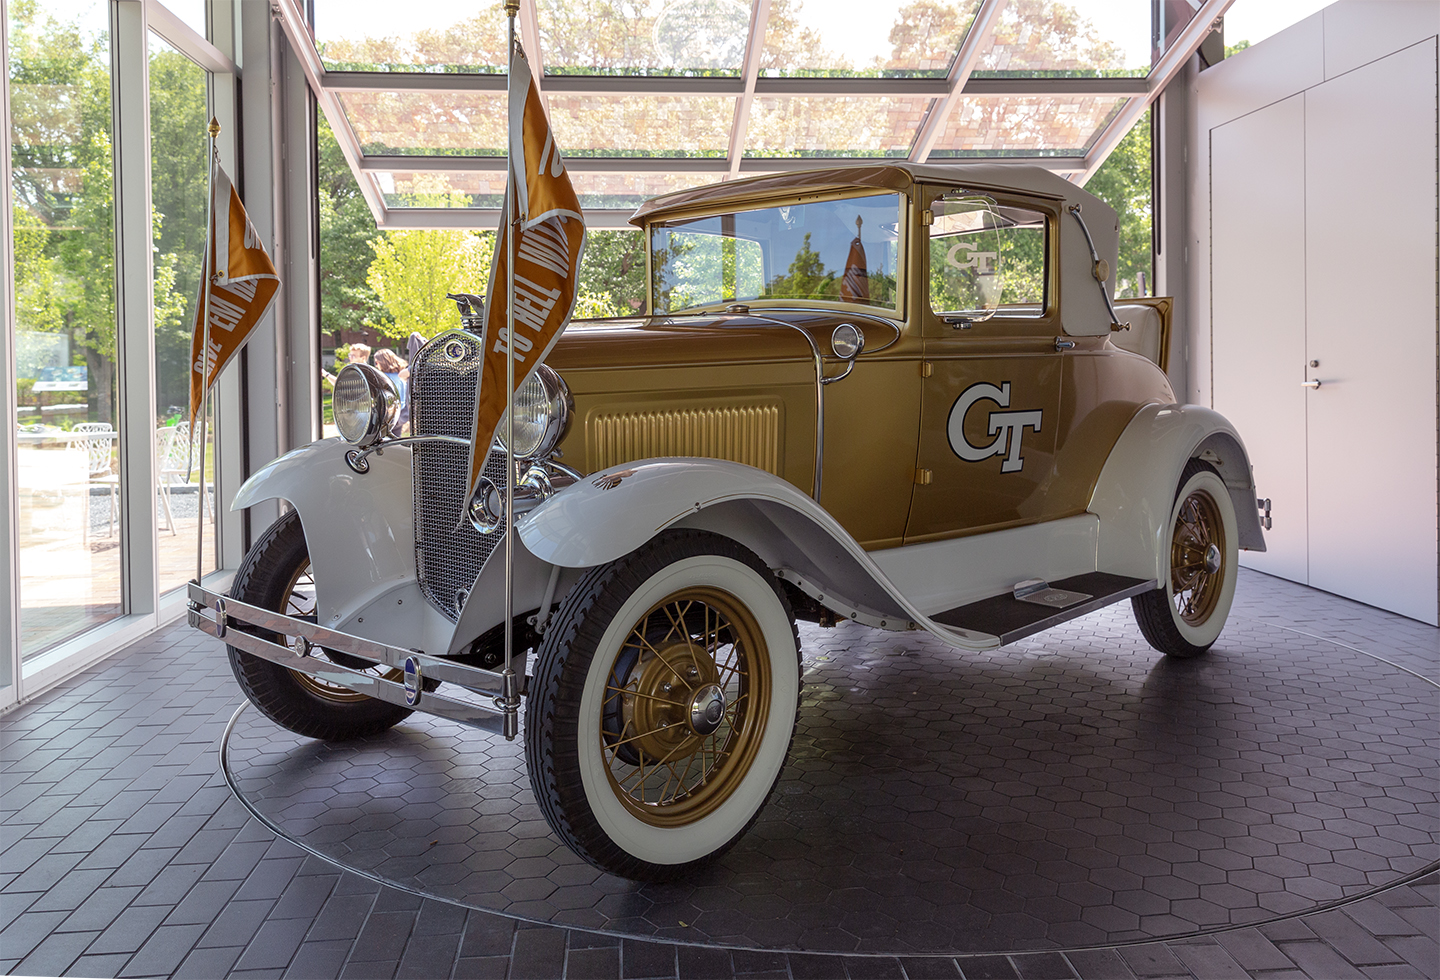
(890, 394)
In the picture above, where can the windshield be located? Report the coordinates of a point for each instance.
(840, 251)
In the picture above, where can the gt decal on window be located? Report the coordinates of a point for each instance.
(1006, 427)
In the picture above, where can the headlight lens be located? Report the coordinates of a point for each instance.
(543, 406)
(364, 404)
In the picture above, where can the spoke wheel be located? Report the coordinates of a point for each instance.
(685, 706)
(1184, 618)
(277, 575)
(663, 704)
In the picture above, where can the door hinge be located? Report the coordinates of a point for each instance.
(1263, 504)
(926, 369)
(923, 477)
(927, 217)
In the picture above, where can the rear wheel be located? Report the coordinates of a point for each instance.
(1185, 617)
(664, 701)
(276, 575)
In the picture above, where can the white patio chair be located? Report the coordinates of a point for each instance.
(178, 463)
(95, 440)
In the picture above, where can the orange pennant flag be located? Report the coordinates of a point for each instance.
(547, 262)
(855, 286)
(240, 291)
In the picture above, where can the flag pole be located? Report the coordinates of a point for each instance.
(207, 274)
(510, 691)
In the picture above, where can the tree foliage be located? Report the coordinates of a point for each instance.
(1123, 182)
(413, 270)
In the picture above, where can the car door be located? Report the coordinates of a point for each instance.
(991, 371)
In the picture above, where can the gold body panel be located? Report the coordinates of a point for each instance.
(740, 387)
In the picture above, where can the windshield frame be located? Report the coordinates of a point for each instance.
(903, 205)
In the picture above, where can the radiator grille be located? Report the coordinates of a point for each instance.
(449, 552)
(741, 434)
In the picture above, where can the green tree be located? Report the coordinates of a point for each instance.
(612, 271)
(64, 184)
(1123, 182)
(347, 301)
(413, 270)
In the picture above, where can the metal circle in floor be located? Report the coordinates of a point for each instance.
(1071, 789)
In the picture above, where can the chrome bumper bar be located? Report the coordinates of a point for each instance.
(231, 620)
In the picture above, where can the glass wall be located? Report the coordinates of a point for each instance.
(68, 442)
(178, 117)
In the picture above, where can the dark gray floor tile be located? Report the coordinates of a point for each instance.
(704, 963)
(383, 937)
(274, 944)
(131, 929)
(164, 951)
(593, 964)
(873, 968)
(1208, 961)
(426, 957)
(482, 968)
(99, 910)
(236, 925)
(54, 955)
(320, 961)
(107, 965)
(987, 968)
(811, 966)
(487, 935)
(929, 967)
(1042, 966)
(539, 953)
(203, 903)
(642, 959)
(1100, 964)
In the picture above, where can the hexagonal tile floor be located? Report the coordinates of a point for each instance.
(1071, 789)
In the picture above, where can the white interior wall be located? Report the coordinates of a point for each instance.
(1313, 239)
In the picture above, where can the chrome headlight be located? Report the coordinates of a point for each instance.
(543, 407)
(364, 404)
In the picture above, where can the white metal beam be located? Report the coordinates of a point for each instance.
(181, 35)
(488, 219)
(750, 73)
(297, 32)
(1169, 65)
(934, 123)
(726, 86)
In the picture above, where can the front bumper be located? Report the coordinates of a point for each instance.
(496, 710)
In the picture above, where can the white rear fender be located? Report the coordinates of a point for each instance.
(360, 531)
(611, 513)
(1136, 490)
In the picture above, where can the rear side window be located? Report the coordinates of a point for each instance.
(987, 259)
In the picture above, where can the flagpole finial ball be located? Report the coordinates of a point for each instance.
(512, 7)
(214, 127)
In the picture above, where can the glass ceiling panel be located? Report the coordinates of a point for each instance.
(649, 126)
(448, 123)
(851, 37)
(435, 35)
(849, 126)
(1024, 125)
(644, 37)
(1068, 38)
(487, 189)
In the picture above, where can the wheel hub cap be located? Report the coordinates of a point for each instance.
(1212, 559)
(707, 708)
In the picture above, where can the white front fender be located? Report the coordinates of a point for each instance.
(360, 531)
(611, 513)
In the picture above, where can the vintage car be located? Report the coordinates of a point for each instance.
(888, 394)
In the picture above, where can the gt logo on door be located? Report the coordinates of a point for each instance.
(1006, 427)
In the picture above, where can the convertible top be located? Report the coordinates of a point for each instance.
(871, 177)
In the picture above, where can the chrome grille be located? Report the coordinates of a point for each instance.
(449, 552)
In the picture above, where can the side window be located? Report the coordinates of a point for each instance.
(986, 259)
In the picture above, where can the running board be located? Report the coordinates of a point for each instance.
(1012, 618)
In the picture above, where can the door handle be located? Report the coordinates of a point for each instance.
(1310, 384)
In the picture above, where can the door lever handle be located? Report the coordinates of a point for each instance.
(1310, 384)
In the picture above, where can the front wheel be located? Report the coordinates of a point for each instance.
(663, 704)
(1185, 617)
(276, 575)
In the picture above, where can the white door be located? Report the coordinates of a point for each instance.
(1370, 150)
(1257, 172)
